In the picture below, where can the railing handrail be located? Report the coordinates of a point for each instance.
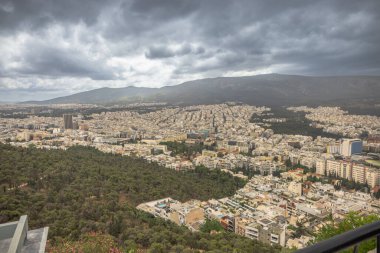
(345, 240)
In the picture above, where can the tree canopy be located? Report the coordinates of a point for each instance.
(85, 195)
(351, 221)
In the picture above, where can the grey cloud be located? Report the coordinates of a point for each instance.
(12, 95)
(158, 52)
(194, 37)
(164, 9)
(37, 14)
(56, 62)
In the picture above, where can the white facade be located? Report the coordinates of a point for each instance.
(349, 147)
(373, 177)
(359, 173)
(320, 166)
(332, 167)
(295, 188)
(345, 170)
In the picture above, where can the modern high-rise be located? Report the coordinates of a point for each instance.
(68, 121)
(350, 147)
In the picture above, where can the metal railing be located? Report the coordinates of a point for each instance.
(346, 240)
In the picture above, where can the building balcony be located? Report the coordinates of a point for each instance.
(15, 237)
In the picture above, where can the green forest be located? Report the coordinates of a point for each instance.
(184, 149)
(296, 123)
(181, 148)
(88, 198)
(351, 221)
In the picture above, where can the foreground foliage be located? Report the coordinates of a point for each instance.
(350, 222)
(81, 191)
(211, 225)
(89, 243)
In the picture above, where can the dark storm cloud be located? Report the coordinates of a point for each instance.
(57, 62)
(164, 9)
(166, 41)
(157, 52)
(37, 14)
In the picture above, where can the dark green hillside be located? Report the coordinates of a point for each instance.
(82, 190)
(296, 123)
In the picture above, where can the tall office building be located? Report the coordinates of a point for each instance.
(68, 121)
(350, 147)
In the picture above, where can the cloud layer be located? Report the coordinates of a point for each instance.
(52, 48)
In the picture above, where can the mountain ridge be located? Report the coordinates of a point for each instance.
(268, 89)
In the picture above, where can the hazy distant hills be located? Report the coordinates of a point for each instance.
(271, 89)
(103, 96)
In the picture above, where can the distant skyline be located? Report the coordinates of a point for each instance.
(55, 48)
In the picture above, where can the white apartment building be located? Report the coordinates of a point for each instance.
(373, 177)
(320, 166)
(345, 170)
(350, 171)
(359, 173)
(333, 148)
(332, 167)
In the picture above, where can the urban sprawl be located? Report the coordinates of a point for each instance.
(293, 181)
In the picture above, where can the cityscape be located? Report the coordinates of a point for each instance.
(293, 182)
(189, 126)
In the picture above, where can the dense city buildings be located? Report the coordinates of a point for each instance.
(293, 181)
(189, 126)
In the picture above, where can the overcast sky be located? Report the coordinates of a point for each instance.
(54, 48)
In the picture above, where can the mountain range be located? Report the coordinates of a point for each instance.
(269, 89)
